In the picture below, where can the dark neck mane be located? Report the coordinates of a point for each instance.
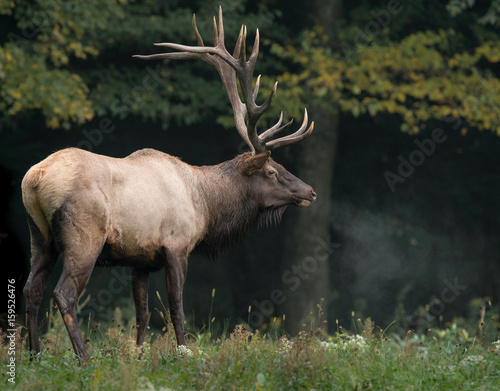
(232, 208)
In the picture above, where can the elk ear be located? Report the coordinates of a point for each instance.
(255, 162)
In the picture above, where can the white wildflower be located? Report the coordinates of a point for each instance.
(358, 340)
(353, 341)
(150, 387)
(284, 347)
(496, 345)
(328, 345)
(471, 360)
(183, 351)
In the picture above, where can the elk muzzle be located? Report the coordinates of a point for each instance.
(303, 201)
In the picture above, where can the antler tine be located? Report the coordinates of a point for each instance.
(216, 34)
(183, 55)
(299, 135)
(264, 106)
(173, 56)
(221, 28)
(238, 47)
(197, 34)
(271, 132)
(255, 50)
(244, 45)
(256, 88)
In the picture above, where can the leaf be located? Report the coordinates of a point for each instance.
(355, 111)
(372, 109)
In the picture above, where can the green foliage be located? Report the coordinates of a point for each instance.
(418, 79)
(441, 359)
(72, 60)
(59, 34)
(6, 7)
(365, 357)
(26, 82)
(34, 58)
(489, 15)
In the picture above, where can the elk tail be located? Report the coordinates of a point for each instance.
(30, 192)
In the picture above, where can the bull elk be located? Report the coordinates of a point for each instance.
(150, 210)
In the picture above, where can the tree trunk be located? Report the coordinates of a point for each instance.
(308, 248)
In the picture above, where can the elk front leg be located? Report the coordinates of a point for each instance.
(140, 292)
(175, 275)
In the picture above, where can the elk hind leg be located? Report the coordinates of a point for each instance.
(66, 294)
(43, 258)
(81, 249)
(80, 232)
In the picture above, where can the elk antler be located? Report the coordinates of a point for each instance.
(232, 67)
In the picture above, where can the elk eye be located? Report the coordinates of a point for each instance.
(271, 172)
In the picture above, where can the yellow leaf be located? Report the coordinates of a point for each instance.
(15, 94)
(88, 114)
(53, 122)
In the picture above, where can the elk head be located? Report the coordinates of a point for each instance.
(274, 185)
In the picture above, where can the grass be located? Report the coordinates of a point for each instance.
(366, 358)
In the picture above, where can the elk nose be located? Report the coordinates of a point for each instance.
(313, 195)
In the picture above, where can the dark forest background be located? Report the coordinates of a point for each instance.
(405, 155)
